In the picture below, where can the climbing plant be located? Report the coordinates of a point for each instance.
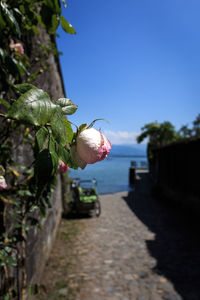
(51, 135)
(28, 115)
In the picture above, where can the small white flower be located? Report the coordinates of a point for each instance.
(3, 184)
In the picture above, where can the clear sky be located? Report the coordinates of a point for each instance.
(132, 62)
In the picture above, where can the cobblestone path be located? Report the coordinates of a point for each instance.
(138, 249)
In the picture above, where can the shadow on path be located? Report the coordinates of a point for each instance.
(176, 246)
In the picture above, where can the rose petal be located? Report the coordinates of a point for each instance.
(62, 167)
(92, 145)
(3, 184)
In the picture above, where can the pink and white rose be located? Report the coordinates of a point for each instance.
(3, 184)
(91, 146)
(62, 167)
(18, 47)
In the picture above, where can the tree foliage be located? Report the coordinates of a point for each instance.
(165, 133)
(158, 134)
(191, 132)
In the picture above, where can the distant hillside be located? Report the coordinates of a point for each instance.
(128, 150)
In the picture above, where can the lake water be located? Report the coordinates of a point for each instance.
(112, 174)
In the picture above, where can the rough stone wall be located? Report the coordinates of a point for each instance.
(40, 241)
(49, 78)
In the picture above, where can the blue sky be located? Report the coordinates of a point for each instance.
(132, 62)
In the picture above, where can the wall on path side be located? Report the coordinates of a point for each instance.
(44, 72)
(175, 171)
(50, 80)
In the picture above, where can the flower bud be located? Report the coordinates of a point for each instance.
(91, 146)
(62, 167)
(3, 184)
(18, 47)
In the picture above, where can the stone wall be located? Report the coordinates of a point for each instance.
(40, 241)
(50, 80)
(46, 74)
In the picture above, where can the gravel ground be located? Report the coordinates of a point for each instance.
(138, 249)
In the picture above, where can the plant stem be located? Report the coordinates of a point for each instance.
(2, 115)
(6, 272)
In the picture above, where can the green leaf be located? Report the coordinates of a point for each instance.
(66, 26)
(33, 107)
(52, 145)
(12, 261)
(64, 155)
(50, 15)
(71, 163)
(46, 15)
(58, 128)
(6, 258)
(41, 136)
(68, 107)
(4, 102)
(18, 12)
(63, 102)
(35, 29)
(2, 23)
(10, 18)
(42, 208)
(45, 167)
(54, 5)
(12, 66)
(2, 170)
(3, 54)
(21, 67)
(82, 127)
(7, 296)
(23, 88)
(69, 110)
(23, 193)
(68, 129)
(55, 160)
(33, 208)
(54, 24)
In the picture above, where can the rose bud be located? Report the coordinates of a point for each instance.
(62, 167)
(91, 146)
(18, 47)
(3, 184)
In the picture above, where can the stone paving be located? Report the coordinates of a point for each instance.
(138, 249)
